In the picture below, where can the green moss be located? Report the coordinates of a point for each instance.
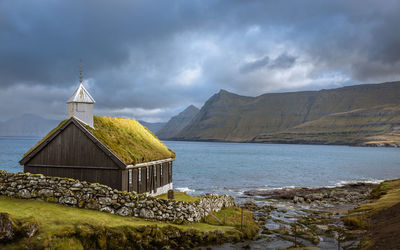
(51, 199)
(129, 140)
(388, 194)
(180, 196)
(232, 216)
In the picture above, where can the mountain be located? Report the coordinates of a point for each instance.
(231, 117)
(177, 123)
(154, 127)
(27, 125)
(364, 127)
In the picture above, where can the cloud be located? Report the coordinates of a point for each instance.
(283, 61)
(148, 59)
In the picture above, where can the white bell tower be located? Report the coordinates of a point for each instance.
(80, 104)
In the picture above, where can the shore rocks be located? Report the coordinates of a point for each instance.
(70, 192)
(8, 228)
(11, 229)
(346, 194)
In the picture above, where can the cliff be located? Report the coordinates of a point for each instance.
(230, 117)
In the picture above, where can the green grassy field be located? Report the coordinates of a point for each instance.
(62, 227)
(180, 196)
(54, 218)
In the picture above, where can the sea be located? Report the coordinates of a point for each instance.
(232, 168)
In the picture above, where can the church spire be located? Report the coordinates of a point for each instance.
(80, 72)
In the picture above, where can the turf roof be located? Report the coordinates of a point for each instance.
(127, 139)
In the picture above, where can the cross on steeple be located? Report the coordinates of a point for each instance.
(80, 72)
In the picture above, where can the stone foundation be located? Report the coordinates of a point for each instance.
(75, 193)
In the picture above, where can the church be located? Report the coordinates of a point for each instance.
(117, 152)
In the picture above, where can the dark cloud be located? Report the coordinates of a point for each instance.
(151, 59)
(257, 64)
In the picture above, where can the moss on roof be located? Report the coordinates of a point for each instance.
(129, 140)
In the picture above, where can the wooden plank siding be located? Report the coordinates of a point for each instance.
(148, 181)
(74, 154)
(72, 148)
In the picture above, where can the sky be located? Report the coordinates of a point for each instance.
(149, 60)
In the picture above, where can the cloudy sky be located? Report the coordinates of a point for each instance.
(151, 59)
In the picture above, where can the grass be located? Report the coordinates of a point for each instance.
(129, 140)
(62, 227)
(232, 216)
(55, 218)
(388, 194)
(385, 195)
(180, 196)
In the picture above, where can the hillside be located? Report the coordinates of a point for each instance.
(154, 127)
(373, 126)
(53, 226)
(230, 117)
(27, 125)
(177, 123)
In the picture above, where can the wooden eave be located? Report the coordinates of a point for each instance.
(73, 120)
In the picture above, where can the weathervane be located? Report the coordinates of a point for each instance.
(80, 72)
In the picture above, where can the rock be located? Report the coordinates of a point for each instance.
(298, 199)
(250, 205)
(92, 204)
(68, 200)
(107, 210)
(8, 228)
(45, 192)
(105, 200)
(146, 213)
(77, 185)
(124, 211)
(29, 227)
(24, 194)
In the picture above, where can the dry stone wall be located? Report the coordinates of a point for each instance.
(95, 196)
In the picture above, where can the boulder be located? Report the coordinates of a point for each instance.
(24, 194)
(124, 211)
(8, 228)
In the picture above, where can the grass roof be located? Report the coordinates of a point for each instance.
(129, 140)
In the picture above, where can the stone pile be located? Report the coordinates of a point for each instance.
(95, 196)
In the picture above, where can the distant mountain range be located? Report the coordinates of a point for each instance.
(154, 127)
(367, 114)
(349, 115)
(177, 123)
(27, 125)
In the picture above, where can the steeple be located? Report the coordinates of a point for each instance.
(80, 72)
(81, 103)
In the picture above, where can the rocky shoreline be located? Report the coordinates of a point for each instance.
(311, 217)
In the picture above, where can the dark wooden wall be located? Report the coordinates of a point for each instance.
(148, 181)
(72, 154)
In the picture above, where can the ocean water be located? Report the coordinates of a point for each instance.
(203, 167)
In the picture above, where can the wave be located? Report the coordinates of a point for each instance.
(368, 181)
(338, 184)
(185, 190)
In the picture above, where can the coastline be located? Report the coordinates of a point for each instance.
(380, 144)
(324, 217)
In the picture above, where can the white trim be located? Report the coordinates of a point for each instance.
(161, 190)
(150, 163)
